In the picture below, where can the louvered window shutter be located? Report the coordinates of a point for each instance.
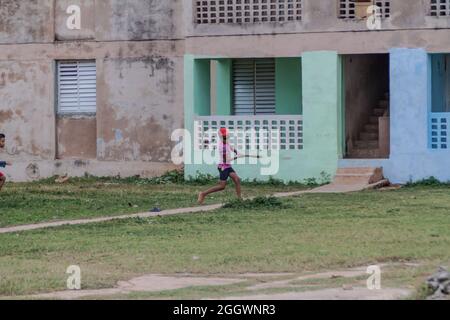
(254, 86)
(77, 87)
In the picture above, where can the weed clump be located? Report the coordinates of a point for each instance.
(256, 203)
(429, 182)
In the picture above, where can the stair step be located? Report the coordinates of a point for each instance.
(358, 176)
(372, 128)
(355, 170)
(369, 135)
(367, 144)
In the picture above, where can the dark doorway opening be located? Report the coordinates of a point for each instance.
(366, 105)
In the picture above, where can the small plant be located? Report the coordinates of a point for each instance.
(256, 203)
(325, 178)
(311, 182)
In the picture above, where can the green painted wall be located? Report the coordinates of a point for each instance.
(321, 111)
(224, 89)
(202, 87)
(322, 121)
(288, 85)
(188, 91)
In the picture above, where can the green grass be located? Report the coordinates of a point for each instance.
(309, 233)
(26, 203)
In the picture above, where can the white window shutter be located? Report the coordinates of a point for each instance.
(244, 87)
(77, 87)
(265, 86)
(254, 86)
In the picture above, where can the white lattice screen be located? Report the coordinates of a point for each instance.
(247, 11)
(440, 131)
(250, 133)
(440, 8)
(347, 8)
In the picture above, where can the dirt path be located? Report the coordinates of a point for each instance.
(324, 189)
(332, 294)
(288, 286)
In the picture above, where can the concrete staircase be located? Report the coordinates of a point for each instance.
(368, 145)
(367, 176)
(355, 179)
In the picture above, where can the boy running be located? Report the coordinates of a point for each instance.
(3, 164)
(226, 171)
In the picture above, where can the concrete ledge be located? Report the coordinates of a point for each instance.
(25, 171)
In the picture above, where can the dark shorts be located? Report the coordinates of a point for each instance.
(225, 174)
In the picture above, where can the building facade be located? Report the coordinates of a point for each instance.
(344, 83)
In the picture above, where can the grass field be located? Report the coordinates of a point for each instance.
(25, 203)
(307, 233)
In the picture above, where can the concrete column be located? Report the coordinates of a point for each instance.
(224, 87)
(410, 101)
(322, 111)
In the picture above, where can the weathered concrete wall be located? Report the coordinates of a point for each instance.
(76, 137)
(139, 104)
(293, 45)
(87, 20)
(139, 20)
(43, 21)
(138, 110)
(322, 16)
(26, 108)
(26, 21)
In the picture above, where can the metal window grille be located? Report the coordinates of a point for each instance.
(77, 87)
(254, 86)
(247, 11)
(440, 8)
(347, 8)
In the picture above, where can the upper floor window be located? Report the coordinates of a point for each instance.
(77, 87)
(359, 9)
(440, 8)
(247, 11)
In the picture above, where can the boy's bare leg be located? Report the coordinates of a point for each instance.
(237, 184)
(220, 187)
(2, 182)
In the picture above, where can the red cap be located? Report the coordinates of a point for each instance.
(223, 132)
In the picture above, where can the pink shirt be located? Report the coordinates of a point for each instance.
(224, 153)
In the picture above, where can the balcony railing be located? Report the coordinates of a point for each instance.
(247, 11)
(247, 133)
(440, 8)
(439, 131)
(350, 9)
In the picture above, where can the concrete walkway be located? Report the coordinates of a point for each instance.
(257, 288)
(331, 188)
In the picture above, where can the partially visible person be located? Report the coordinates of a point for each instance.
(3, 164)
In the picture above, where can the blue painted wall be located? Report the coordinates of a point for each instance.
(411, 101)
